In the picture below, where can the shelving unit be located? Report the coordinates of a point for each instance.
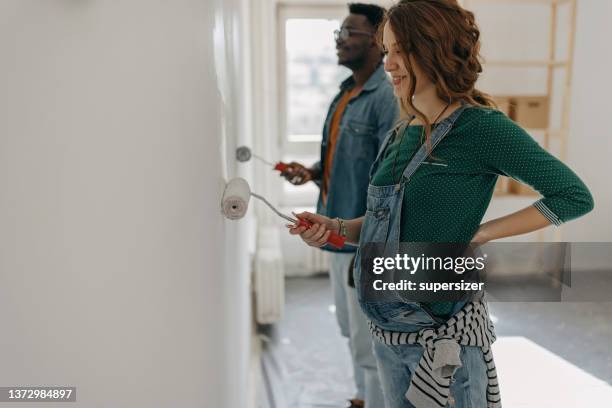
(533, 112)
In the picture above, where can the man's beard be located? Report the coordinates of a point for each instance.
(355, 63)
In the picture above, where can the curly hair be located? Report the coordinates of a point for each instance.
(372, 12)
(444, 40)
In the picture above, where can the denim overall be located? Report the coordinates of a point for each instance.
(382, 224)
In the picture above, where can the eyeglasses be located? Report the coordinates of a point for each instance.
(344, 33)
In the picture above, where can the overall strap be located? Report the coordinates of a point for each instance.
(436, 137)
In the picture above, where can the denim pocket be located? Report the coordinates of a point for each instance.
(358, 140)
(401, 316)
(411, 313)
(358, 129)
(375, 225)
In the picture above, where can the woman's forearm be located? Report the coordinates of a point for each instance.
(353, 229)
(528, 219)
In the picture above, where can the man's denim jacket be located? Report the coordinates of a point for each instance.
(365, 122)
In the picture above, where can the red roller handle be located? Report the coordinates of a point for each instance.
(336, 240)
(280, 166)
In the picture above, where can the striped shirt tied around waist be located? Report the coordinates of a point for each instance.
(430, 383)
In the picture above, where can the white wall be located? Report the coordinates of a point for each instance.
(115, 270)
(590, 144)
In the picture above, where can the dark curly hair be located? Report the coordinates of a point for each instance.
(444, 40)
(372, 12)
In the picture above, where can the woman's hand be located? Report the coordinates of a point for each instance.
(528, 219)
(318, 233)
(482, 236)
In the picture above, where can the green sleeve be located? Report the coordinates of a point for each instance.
(508, 150)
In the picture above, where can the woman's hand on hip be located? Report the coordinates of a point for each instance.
(482, 236)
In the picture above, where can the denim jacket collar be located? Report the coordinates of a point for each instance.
(372, 83)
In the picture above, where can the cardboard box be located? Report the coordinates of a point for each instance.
(531, 112)
(503, 104)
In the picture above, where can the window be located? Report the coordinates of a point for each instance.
(312, 73)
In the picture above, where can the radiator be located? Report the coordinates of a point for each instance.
(268, 277)
(316, 261)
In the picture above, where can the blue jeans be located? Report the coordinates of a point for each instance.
(397, 363)
(354, 326)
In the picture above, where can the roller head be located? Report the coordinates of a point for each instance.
(235, 200)
(243, 154)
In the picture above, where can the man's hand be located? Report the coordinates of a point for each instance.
(297, 174)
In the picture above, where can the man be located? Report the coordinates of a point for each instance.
(358, 120)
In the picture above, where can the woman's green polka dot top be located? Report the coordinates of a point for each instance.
(446, 198)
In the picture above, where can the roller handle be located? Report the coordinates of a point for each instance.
(280, 166)
(336, 240)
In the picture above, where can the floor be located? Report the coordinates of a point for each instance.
(568, 344)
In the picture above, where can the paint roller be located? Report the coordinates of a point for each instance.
(244, 154)
(235, 202)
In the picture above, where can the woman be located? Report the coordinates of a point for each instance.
(432, 182)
